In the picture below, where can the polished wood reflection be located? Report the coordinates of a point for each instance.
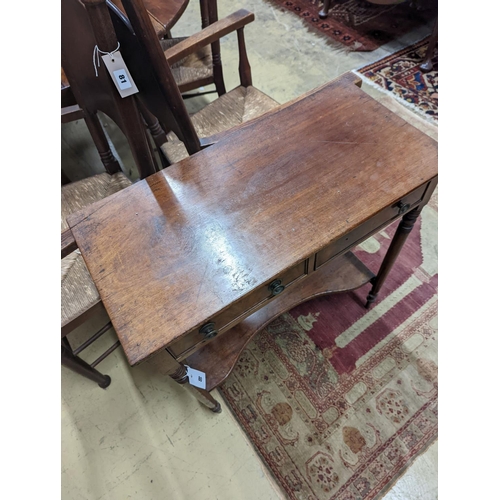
(180, 247)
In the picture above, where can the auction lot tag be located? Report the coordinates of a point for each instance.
(196, 378)
(119, 74)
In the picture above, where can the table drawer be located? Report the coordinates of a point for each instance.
(237, 312)
(372, 225)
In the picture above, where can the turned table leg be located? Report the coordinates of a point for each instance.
(69, 360)
(402, 232)
(323, 13)
(203, 396)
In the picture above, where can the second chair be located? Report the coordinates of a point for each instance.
(151, 68)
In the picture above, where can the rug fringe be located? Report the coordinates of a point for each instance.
(392, 54)
(322, 37)
(407, 104)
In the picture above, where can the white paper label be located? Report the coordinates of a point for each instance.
(119, 74)
(122, 79)
(196, 378)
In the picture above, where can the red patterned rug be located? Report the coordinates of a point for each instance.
(362, 25)
(400, 76)
(339, 400)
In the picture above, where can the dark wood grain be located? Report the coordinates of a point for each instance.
(218, 357)
(82, 28)
(164, 12)
(193, 240)
(146, 54)
(213, 16)
(371, 226)
(101, 143)
(402, 233)
(148, 64)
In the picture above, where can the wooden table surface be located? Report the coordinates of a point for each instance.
(166, 12)
(177, 248)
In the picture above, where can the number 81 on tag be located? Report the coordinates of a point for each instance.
(122, 79)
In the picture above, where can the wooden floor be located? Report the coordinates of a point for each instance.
(145, 436)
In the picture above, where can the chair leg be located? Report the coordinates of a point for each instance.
(210, 10)
(217, 69)
(402, 232)
(158, 134)
(206, 398)
(69, 360)
(101, 143)
(203, 396)
(323, 13)
(427, 63)
(133, 127)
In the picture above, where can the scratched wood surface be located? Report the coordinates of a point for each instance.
(186, 243)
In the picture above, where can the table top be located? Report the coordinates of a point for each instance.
(166, 12)
(175, 249)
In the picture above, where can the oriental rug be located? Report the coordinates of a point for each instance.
(400, 76)
(338, 400)
(360, 25)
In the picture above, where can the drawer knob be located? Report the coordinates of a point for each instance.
(208, 330)
(403, 207)
(276, 287)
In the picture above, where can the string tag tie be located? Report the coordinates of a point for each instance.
(96, 59)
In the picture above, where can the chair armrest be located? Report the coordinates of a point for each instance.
(68, 243)
(210, 34)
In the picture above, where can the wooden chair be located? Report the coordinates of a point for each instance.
(200, 68)
(97, 93)
(163, 14)
(151, 68)
(79, 297)
(203, 66)
(71, 111)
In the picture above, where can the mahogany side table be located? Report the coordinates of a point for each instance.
(197, 258)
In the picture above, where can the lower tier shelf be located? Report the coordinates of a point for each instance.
(218, 358)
